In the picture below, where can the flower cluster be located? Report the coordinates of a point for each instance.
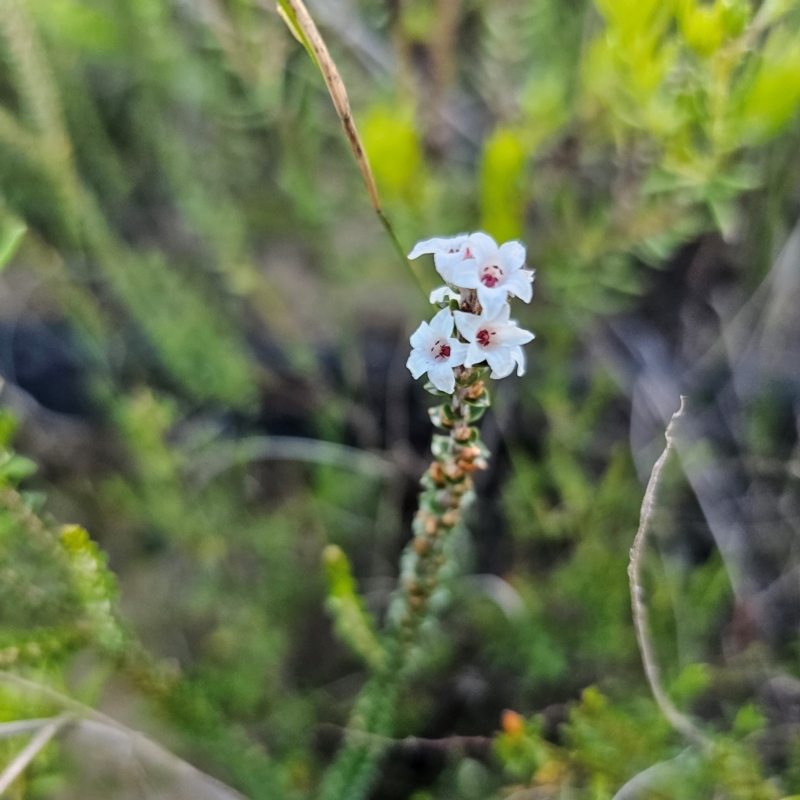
(475, 325)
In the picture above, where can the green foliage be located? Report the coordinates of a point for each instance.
(175, 183)
(58, 593)
(352, 621)
(10, 237)
(610, 743)
(502, 188)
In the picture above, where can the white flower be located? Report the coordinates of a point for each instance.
(497, 341)
(447, 253)
(494, 271)
(436, 351)
(444, 294)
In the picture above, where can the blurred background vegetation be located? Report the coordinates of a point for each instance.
(203, 334)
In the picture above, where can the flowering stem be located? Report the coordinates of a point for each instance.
(468, 339)
(446, 484)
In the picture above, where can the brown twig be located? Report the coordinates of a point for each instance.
(478, 747)
(679, 721)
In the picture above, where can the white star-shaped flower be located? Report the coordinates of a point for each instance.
(497, 341)
(436, 351)
(447, 253)
(494, 271)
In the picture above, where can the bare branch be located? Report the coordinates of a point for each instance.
(679, 721)
(296, 14)
(338, 93)
(31, 750)
(87, 717)
(20, 726)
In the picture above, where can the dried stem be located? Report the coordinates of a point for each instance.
(31, 750)
(301, 23)
(81, 714)
(679, 721)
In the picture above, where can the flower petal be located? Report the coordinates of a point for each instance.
(518, 354)
(442, 294)
(421, 335)
(520, 284)
(500, 361)
(512, 254)
(512, 336)
(436, 245)
(492, 299)
(504, 315)
(443, 378)
(465, 274)
(417, 363)
(458, 353)
(474, 355)
(467, 324)
(442, 324)
(482, 245)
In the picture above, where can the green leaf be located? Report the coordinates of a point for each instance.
(286, 13)
(352, 622)
(10, 239)
(476, 412)
(95, 586)
(440, 446)
(483, 400)
(431, 389)
(17, 468)
(503, 185)
(395, 152)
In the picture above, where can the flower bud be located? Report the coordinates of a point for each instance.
(512, 723)
(450, 518)
(463, 433)
(452, 471)
(474, 391)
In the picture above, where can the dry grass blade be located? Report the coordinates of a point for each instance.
(678, 720)
(337, 91)
(303, 27)
(31, 750)
(83, 716)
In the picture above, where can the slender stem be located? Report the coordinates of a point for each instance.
(398, 248)
(83, 715)
(679, 721)
(297, 16)
(31, 750)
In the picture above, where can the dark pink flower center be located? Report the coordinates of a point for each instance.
(441, 350)
(491, 275)
(484, 337)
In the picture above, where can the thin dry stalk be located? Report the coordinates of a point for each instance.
(83, 715)
(31, 750)
(302, 25)
(679, 721)
(338, 93)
